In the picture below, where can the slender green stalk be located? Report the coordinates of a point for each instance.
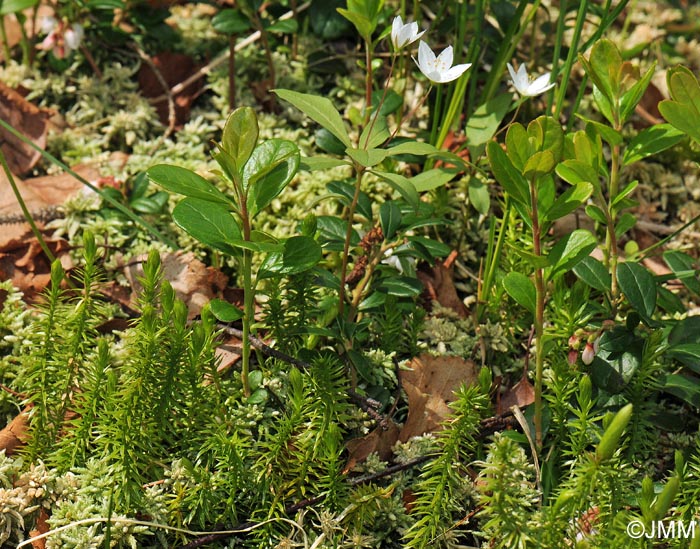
(7, 54)
(539, 315)
(492, 257)
(348, 235)
(248, 300)
(611, 237)
(25, 210)
(571, 56)
(368, 80)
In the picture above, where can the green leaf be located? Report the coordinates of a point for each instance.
(300, 253)
(209, 222)
(568, 201)
(603, 68)
(479, 196)
(367, 158)
(183, 181)
(610, 135)
(432, 179)
(326, 23)
(485, 120)
(687, 353)
(328, 142)
(346, 192)
(240, 135)
(401, 184)
(684, 387)
(412, 147)
(631, 97)
(313, 163)
(16, 6)
(521, 289)
(575, 171)
(375, 133)
(362, 23)
(539, 164)
(624, 223)
(547, 135)
(639, 287)
(596, 214)
(629, 188)
(518, 146)
(225, 311)
(320, 110)
(270, 168)
(284, 26)
(434, 248)
(400, 286)
(593, 273)
(650, 141)
(333, 230)
(683, 267)
(390, 218)
(507, 175)
(569, 251)
(230, 21)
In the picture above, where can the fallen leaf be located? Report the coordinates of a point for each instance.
(430, 385)
(26, 118)
(40, 527)
(521, 394)
(193, 282)
(440, 287)
(174, 68)
(380, 441)
(14, 434)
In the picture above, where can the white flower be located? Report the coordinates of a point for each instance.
(403, 35)
(527, 87)
(439, 69)
(48, 24)
(74, 36)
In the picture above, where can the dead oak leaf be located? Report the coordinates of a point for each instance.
(380, 441)
(430, 386)
(521, 394)
(29, 120)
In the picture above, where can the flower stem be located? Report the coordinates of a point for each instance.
(348, 237)
(248, 300)
(539, 315)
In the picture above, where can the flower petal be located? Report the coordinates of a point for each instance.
(426, 58)
(540, 85)
(445, 58)
(454, 72)
(511, 71)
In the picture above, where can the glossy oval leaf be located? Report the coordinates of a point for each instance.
(390, 218)
(507, 174)
(240, 135)
(225, 311)
(650, 141)
(209, 222)
(569, 251)
(183, 181)
(320, 110)
(593, 273)
(230, 21)
(639, 287)
(270, 168)
(521, 289)
(569, 201)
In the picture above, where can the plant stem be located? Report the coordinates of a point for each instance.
(368, 80)
(611, 237)
(232, 72)
(3, 36)
(492, 258)
(248, 300)
(25, 210)
(348, 235)
(539, 315)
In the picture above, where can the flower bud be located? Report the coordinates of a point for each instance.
(588, 354)
(611, 438)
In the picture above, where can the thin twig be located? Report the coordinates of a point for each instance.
(169, 96)
(223, 56)
(265, 349)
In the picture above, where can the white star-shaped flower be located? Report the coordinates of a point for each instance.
(439, 69)
(403, 35)
(527, 87)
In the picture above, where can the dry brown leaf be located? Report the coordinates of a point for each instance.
(174, 68)
(41, 527)
(521, 394)
(29, 120)
(430, 385)
(380, 441)
(25, 263)
(440, 287)
(193, 282)
(40, 193)
(13, 435)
